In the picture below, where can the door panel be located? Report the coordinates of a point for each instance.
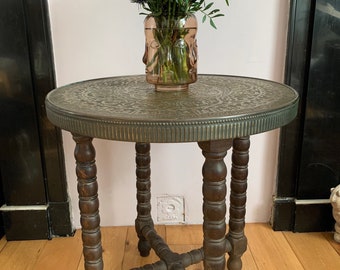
(309, 163)
(320, 162)
(35, 203)
(21, 167)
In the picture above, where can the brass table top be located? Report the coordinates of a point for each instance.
(129, 109)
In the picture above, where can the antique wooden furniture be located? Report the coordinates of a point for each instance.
(218, 112)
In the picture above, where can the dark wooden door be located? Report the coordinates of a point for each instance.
(34, 198)
(309, 163)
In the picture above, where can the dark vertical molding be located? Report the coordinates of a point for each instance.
(43, 78)
(2, 201)
(296, 75)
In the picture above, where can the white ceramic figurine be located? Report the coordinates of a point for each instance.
(335, 201)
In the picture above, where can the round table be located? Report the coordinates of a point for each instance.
(218, 112)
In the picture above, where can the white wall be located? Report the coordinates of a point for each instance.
(103, 38)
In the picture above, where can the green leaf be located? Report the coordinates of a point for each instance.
(208, 6)
(214, 11)
(212, 23)
(204, 18)
(217, 15)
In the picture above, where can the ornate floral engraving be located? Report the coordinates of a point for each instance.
(244, 106)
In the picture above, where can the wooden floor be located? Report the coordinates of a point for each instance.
(267, 250)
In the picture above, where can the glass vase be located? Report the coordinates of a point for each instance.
(170, 56)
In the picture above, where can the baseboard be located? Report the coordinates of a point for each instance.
(60, 219)
(313, 217)
(290, 214)
(283, 214)
(31, 222)
(25, 222)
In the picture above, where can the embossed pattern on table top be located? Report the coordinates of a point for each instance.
(130, 101)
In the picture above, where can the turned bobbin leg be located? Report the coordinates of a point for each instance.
(143, 185)
(238, 188)
(88, 202)
(214, 206)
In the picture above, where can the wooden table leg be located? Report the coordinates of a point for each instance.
(88, 202)
(143, 186)
(214, 206)
(238, 197)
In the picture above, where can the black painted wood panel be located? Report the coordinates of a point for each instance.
(31, 155)
(309, 163)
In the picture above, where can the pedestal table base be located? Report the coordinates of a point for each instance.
(215, 244)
